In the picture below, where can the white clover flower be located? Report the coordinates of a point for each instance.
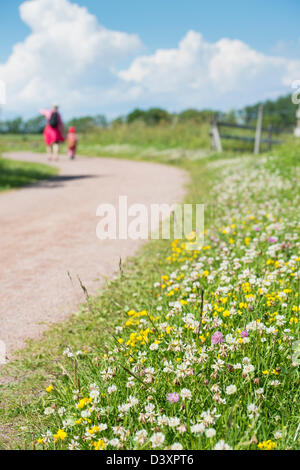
(114, 442)
(157, 439)
(168, 367)
(174, 422)
(246, 360)
(238, 365)
(221, 445)
(252, 410)
(176, 446)
(73, 445)
(61, 411)
(215, 388)
(130, 383)
(229, 339)
(149, 408)
(186, 394)
(275, 383)
(141, 437)
(49, 411)
(68, 423)
(107, 374)
(162, 420)
(211, 432)
(231, 389)
(124, 408)
(181, 429)
(209, 417)
(111, 389)
(94, 394)
(68, 352)
(102, 426)
(198, 428)
(120, 431)
(248, 369)
(132, 401)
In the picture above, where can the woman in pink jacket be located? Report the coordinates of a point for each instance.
(54, 131)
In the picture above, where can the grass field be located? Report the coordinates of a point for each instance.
(147, 365)
(184, 139)
(175, 141)
(16, 174)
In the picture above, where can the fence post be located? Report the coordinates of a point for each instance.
(258, 130)
(215, 135)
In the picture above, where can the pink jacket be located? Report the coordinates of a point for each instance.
(51, 135)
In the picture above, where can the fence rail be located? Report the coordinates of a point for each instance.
(257, 139)
(250, 139)
(250, 128)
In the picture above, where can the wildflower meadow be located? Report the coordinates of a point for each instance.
(206, 356)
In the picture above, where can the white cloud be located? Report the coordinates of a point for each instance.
(199, 73)
(70, 58)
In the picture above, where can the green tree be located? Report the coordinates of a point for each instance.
(155, 116)
(195, 115)
(35, 125)
(15, 126)
(136, 115)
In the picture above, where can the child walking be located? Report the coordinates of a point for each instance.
(72, 142)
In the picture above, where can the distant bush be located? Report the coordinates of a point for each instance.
(88, 123)
(136, 115)
(152, 117)
(196, 115)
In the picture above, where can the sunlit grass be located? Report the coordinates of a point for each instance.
(16, 174)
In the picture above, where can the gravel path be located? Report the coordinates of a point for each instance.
(49, 229)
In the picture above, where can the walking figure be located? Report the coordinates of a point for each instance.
(72, 142)
(53, 132)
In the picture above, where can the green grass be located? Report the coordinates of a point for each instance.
(16, 174)
(164, 142)
(19, 142)
(133, 141)
(245, 192)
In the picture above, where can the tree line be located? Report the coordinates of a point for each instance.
(279, 113)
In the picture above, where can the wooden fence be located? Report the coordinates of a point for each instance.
(257, 139)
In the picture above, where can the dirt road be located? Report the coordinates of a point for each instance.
(49, 229)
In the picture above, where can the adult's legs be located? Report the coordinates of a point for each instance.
(56, 151)
(49, 152)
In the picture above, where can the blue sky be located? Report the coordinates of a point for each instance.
(162, 23)
(270, 27)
